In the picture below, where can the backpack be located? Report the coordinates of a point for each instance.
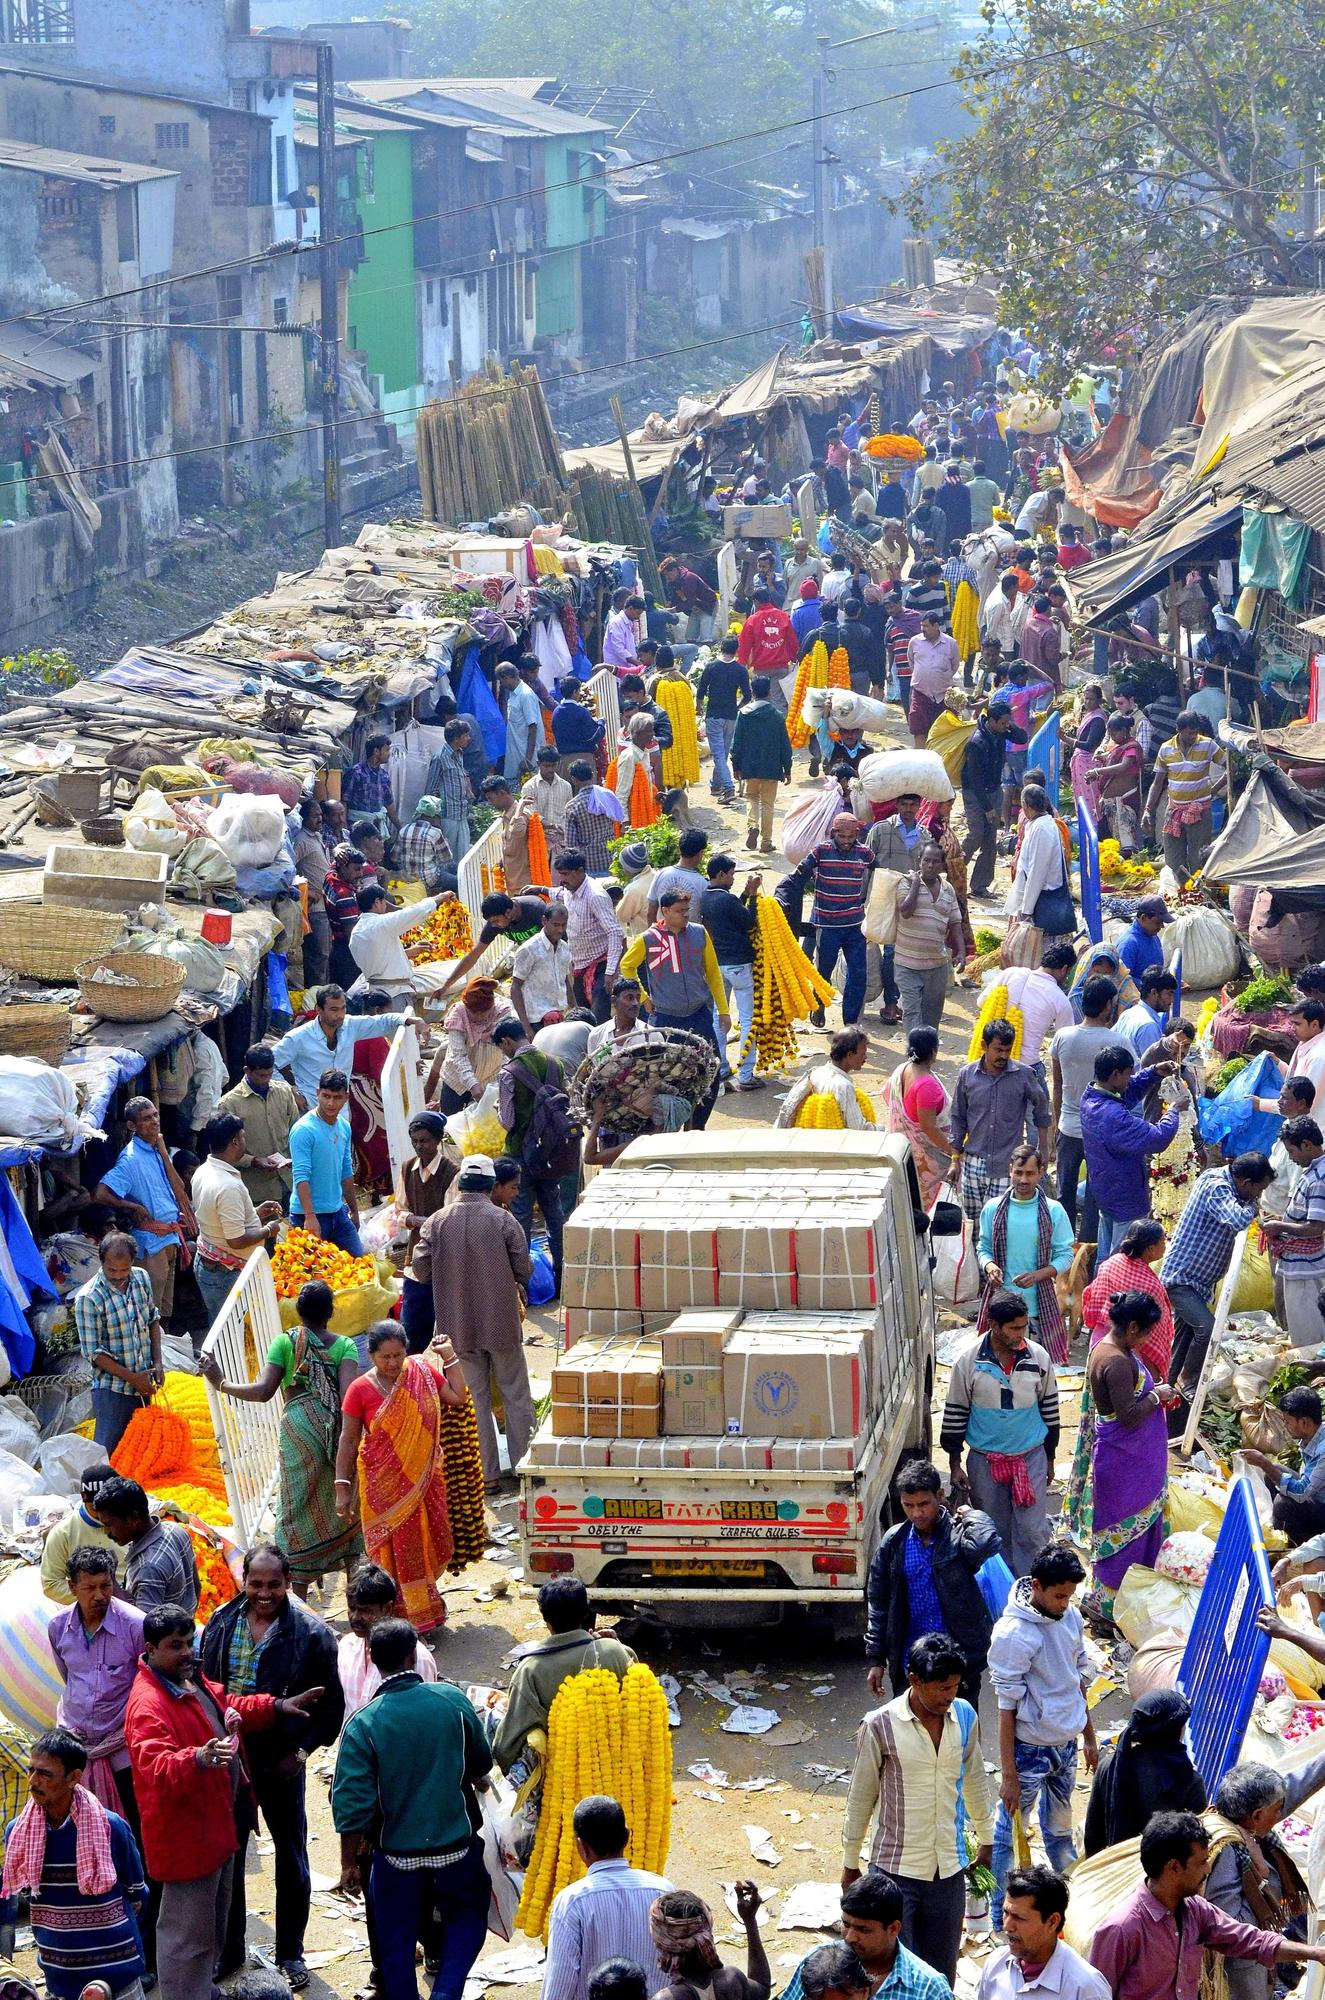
(552, 1137)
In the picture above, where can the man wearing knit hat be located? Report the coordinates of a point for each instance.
(477, 1260)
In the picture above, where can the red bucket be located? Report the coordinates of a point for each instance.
(217, 926)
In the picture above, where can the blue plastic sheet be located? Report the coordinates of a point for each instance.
(995, 1580)
(542, 1281)
(1231, 1121)
(1226, 1649)
(474, 697)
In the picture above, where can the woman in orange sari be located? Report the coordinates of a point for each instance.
(391, 1430)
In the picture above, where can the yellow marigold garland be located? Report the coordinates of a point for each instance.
(821, 1112)
(787, 987)
(996, 1006)
(812, 673)
(680, 762)
(604, 1736)
(464, 1483)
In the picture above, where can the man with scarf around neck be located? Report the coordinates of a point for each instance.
(1035, 1958)
(1025, 1240)
(677, 967)
(681, 1925)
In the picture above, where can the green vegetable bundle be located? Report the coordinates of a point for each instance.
(1258, 996)
(662, 844)
(987, 940)
(1233, 1067)
(1288, 1375)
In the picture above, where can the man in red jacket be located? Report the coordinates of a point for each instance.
(768, 641)
(183, 1740)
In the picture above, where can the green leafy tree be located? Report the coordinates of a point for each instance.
(1119, 163)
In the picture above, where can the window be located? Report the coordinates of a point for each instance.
(229, 298)
(59, 204)
(259, 178)
(106, 127)
(154, 405)
(428, 292)
(126, 224)
(367, 172)
(172, 138)
(282, 167)
(280, 310)
(46, 21)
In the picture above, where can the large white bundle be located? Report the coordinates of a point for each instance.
(38, 1103)
(1211, 954)
(844, 708)
(150, 827)
(887, 774)
(248, 830)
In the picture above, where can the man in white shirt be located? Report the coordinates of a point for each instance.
(606, 1913)
(524, 723)
(837, 580)
(1003, 613)
(595, 937)
(1035, 1959)
(376, 948)
(1041, 995)
(548, 796)
(230, 1227)
(1308, 1058)
(540, 972)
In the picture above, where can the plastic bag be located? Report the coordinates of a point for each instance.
(956, 1272)
(355, 1310)
(1253, 1289)
(888, 774)
(20, 1431)
(1230, 1121)
(150, 827)
(38, 1103)
(810, 821)
(949, 738)
(1211, 954)
(63, 1460)
(542, 1282)
(1185, 1558)
(843, 708)
(1023, 946)
(476, 1128)
(255, 781)
(1145, 1604)
(30, 1682)
(880, 925)
(250, 831)
(201, 869)
(505, 1887)
(995, 1580)
(18, 1478)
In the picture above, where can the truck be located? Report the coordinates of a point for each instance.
(712, 1543)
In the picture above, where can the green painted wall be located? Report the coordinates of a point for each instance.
(381, 305)
(571, 216)
(558, 294)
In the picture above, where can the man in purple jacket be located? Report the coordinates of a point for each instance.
(1118, 1142)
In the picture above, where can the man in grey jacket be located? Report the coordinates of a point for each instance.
(1040, 1671)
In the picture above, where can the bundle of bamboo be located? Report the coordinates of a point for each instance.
(491, 445)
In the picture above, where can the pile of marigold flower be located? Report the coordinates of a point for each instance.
(604, 1736)
(447, 933)
(1122, 872)
(821, 1112)
(299, 1258)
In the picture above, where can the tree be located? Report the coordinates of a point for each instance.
(1125, 161)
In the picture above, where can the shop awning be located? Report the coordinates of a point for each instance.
(1274, 839)
(31, 359)
(652, 460)
(1103, 588)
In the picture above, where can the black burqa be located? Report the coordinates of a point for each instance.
(1147, 1771)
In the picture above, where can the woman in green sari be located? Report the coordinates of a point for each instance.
(314, 1367)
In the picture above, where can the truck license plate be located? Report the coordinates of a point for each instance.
(688, 1567)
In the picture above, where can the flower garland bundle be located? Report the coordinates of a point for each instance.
(156, 1446)
(811, 673)
(195, 1500)
(680, 762)
(604, 1736)
(839, 668)
(894, 444)
(821, 1112)
(540, 861)
(464, 1483)
(644, 807)
(787, 987)
(299, 1257)
(446, 934)
(996, 1006)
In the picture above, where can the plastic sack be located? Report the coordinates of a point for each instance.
(476, 1128)
(843, 708)
(1211, 954)
(810, 821)
(150, 827)
(205, 971)
(1156, 1663)
(200, 870)
(1145, 1604)
(1254, 1286)
(505, 1886)
(355, 1310)
(63, 1460)
(1185, 1558)
(278, 989)
(255, 781)
(888, 774)
(948, 738)
(30, 1682)
(20, 1431)
(18, 1478)
(995, 1580)
(1230, 1121)
(542, 1282)
(38, 1103)
(250, 831)
(956, 1269)
(880, 924)
(71, 1260)
(1192, 1506)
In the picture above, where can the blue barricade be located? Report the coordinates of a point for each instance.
(1044, 752)
(1226, 1649)
(1088, 859)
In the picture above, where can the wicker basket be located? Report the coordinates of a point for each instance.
(50, 812)
(106, 830)
(36, 1028)
(51, 940)
(157, 988)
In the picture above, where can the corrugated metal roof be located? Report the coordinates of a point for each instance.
(31, 359)
(83, 167)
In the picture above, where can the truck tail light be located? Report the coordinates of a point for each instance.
(834, 1565)
(547, 1560)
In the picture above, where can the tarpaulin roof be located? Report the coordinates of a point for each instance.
(1251, 356)
(1113, 479)
(1110, 584)
(651, 458)
(1274, 839)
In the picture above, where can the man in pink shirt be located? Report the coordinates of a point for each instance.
(932, 656)
(1042, 643)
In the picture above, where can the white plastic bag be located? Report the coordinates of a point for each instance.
(1211, 954)
(17, 1480)
(249, 830)
(844, 709)
(956, 1271)
(504, 1883)
(889, 774)
(881, 910)
(810, 821)
(150, 826)
(63, 1460)
(20, 1432)
(38, 1103)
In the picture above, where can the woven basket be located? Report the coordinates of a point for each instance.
(159, 982)
(106, 830)
(51, 940)
(35, 1028)
(49, 810)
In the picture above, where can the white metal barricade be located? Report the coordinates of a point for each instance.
(247, 1434)
(402, 1095)
(474, 880)
(607, 707)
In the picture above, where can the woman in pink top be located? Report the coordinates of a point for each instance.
(917, 1107)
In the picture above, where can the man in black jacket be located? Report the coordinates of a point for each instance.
(982, 789)
(267, 1641)
(923, 1579)
(865, 658)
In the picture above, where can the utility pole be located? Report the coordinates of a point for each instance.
(822, 184)
(330, 305)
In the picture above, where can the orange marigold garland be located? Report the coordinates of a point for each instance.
(157, 1445)
(540, 861)
(813, 672)
(644, 808)
(839, 668)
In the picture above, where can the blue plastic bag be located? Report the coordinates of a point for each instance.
(542, 1282)
(278, 987)
(995, 1580)
(1231, 1121)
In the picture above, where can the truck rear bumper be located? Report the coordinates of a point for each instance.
(714, 1593)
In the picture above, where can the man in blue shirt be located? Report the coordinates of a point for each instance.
(327, 1041)
(1142, 1024)
(145, 1189)
(1299, 1505)
(325, 1201)
(1139, 947)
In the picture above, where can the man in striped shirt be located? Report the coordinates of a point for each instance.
(840, 869)
(605, 1915)
(919, 1773)
(1191, 765)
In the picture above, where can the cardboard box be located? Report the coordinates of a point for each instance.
(599, 1322)
(837, 1260)
(608, 1388)
(788, 1385)
(600, 1260)
(814, 1455)
(768, 520)
(756, 1258)
(568, 1453)
(693, 1395)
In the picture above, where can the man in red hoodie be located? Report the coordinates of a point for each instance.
(768, 642)
(182, 1734)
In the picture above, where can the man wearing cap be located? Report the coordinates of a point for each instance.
(1139, 947)
(808, 615)
(476, 1258)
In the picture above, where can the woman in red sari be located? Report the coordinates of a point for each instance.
(391, 1433)
(372, 1158)
(1132, 1268)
